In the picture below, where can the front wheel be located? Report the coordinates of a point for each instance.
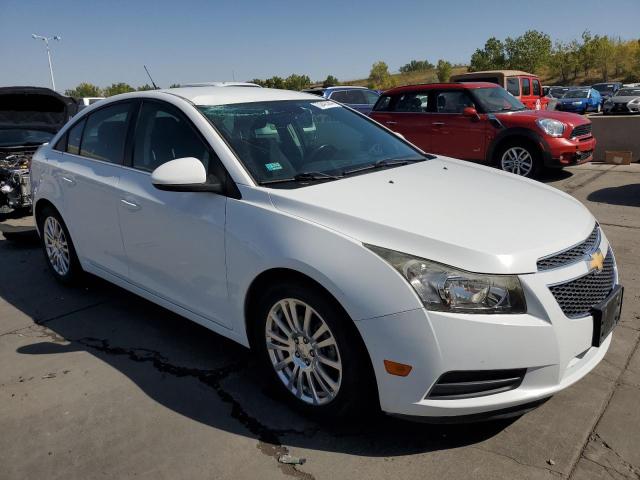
(305, 343)
(519, 158)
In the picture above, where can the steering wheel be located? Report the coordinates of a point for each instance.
(324, 149)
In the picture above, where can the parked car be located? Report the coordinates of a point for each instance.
(626, 100)
(221, 84)
(29, 117)
(522, 85)
(607, 89)
(358, 98)
(580, 100)
(483, 123)
(557, 91)
(342, 256)
(86, 101)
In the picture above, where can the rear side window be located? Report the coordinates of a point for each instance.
(61, 144)
(513, 86)
(105, 133)
(164, 134)
(75, 136)
(452, 101)
(412, 102)
(370, 97)
(526, 86)
(383, 104)
(536, 88)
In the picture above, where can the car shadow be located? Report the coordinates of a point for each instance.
(627, 195)
(195, 372)
(554, 175)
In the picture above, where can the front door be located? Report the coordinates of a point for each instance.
(454, 134)
(174, 241)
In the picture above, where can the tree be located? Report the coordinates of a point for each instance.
(586, 52)
(416, 66)
(117, 88)
(84, 90)
(330, 81)
(443, 70)
(145, 87)
(492, 57)
(529, 51)
(274, 82)
(297, 82)
(603, 55)
(379, 76)
(563, 61)
(174, 85)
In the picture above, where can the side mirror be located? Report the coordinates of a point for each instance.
(471, 113)
(184, 175)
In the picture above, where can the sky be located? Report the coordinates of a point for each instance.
(197, 41)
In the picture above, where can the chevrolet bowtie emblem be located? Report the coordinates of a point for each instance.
(596, 261)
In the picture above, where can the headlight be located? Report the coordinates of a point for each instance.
(551, 127)
(635, 101)
(449, 289)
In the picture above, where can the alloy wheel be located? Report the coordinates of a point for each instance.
(517, 160)
(56, 245)
(303, 352)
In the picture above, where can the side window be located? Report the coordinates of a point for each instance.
(349, 97)
(383, 104)
(164, 134)
(105, 133)
(452, 101)
(412, 102)
(513, 86)
(341, 97)
(526, 87)
(75, 136)
(61, 144)
(536, 88)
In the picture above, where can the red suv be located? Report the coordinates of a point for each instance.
(482, 122)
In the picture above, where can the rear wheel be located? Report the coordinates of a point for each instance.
(310, 354)
(520, 158)
(57, 246)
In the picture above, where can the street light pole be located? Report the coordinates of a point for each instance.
(46, 42)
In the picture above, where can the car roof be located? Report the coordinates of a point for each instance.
(506, 73)
(228, 95)
(441, 86)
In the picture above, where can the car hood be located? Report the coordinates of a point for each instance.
(515, 118)
(570, 100)
(34, 108)
(473, 217)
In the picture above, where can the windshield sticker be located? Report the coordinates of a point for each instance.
(272, 167)
(325, 105)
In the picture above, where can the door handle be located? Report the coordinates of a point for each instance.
(438, 124)
(391, 123)
(70, 181)
(130, 205)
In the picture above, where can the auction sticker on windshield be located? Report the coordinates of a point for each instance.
(325, 105)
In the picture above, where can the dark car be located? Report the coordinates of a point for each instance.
(607, 89)
(29, 117)
(483, 123)
(359, 98)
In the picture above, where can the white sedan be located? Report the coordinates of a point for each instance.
(362, 271)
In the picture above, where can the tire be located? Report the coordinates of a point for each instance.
(519, 157)
(58, 249)
(335, 374)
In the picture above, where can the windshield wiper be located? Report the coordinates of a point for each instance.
(303, 177)
(389, 162)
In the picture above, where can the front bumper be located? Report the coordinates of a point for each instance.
(555, 351)
(564, 152)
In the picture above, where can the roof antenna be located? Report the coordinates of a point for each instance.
(154, 83)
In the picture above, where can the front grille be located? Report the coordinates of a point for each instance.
(581, 130)
(620, 107)
(577, 297)
(580, 156)
(475, 383)
(573, 254)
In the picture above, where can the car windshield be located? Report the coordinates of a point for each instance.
(496, 99)
(628, 92)
(296, 142)
(576, 94)
(16, 137)
(604, 88)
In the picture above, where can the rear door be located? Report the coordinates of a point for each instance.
(406, 113)
(453, 134)
(174, 241)
(88, 177)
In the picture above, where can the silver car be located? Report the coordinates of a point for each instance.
(626, 100)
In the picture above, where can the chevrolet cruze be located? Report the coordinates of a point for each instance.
(361, 270)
